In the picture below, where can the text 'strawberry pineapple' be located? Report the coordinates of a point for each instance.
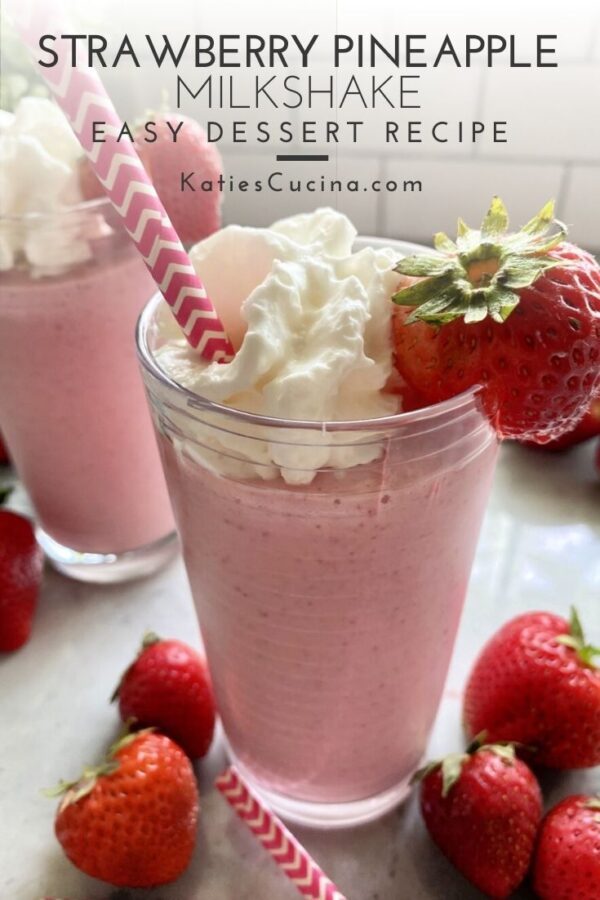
(518, 313)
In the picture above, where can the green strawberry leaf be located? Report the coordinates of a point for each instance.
(462, 229)
(542, 221)
(506, 751)
(72, 791)
(502, 304)
(495, 223)
(443, 244)
(451, 769)
(485, 269)
(576, 626)
(434, 310)
(422, 291)
(423, 265)
(576, 641)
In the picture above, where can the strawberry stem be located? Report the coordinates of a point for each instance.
(482, 272)
(452, 764)
(575, 639)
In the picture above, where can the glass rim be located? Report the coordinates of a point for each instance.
(200, 403)
(93, 205)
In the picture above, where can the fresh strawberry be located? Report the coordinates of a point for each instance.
(518, 314)
(4, 457)
(168, 686)
(567, 857)
(586, 429)
(194, 213)
(535, 682)
(132, 820)
(482, 808)
(597, 457)
(21, 564)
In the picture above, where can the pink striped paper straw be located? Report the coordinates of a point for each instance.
(285, 850)
(83, 98)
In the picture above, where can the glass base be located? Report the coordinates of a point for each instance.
(326, 815)
(108, 568)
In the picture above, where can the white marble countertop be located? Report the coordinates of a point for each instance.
(540, 548)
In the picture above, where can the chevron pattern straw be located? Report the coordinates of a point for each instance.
(83, 99)
(288, 853)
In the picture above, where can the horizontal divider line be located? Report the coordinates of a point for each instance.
(302, 157)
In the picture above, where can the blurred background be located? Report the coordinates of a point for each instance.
(553, 123)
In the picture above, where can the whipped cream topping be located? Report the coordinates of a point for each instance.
(39, 173)
(310, 321)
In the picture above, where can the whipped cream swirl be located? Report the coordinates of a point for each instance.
(310, 320)
(39, 174)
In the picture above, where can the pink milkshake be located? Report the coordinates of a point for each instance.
(71, 405)
(328, 559)
(71, 400)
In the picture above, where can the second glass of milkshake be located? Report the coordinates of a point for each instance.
(71, 400)
(329, 549)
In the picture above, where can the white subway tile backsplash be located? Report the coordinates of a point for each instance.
(579, 209)
(263, 208)
(463, 188)
(553, 114)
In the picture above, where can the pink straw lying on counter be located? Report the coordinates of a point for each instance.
(282, 846)
(83, 98)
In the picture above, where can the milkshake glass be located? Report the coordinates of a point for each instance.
(72, 407)
(328, 609)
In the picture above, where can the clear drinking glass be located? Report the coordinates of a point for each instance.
(328, 610)
(72, 406)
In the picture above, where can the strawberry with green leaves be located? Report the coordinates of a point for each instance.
(168, 686)
(132, 820)
(536, 682)
(517, 313)
(567, 857)
(482, 808)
